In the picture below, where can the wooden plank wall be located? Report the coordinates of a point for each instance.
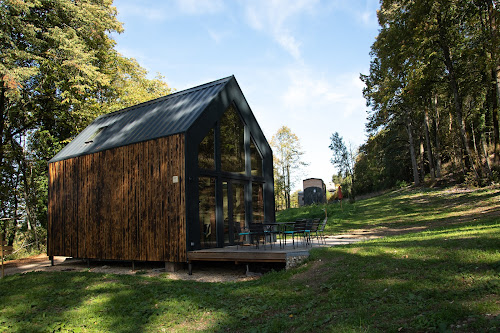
(120, 203)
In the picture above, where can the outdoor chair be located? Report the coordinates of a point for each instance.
(256, 232)
(320, 233)
(298, 229)
(272, 231)
(311, 228)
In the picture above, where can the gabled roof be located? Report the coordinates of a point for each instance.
(160, 117)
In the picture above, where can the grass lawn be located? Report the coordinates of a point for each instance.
(445, 277)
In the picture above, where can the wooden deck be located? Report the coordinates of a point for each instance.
(249, 253)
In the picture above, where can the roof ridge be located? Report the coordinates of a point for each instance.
(162, 98)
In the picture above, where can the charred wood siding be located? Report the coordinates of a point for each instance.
(120, 203)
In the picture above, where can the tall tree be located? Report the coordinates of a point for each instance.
(429, 51)
(58, 71)
(287, 154)
(344, 159)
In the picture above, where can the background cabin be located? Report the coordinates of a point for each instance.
(150, 182)
(314, 191)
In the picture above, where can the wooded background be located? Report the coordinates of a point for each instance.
(433, 92)
(59, 70)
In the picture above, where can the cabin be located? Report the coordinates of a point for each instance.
(151, 182)
(314, 191)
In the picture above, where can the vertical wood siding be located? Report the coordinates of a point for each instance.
(120, 203)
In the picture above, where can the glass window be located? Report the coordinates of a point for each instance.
(256, 160)
(232, 143)
(206, 186)
(206, 159)
(257, 202)
(239, 205)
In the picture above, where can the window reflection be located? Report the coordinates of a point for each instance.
(256, 160)
(257, 202)
(232, 143)
(206, 186)
(206, 154)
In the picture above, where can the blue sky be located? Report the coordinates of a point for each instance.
(297, 62)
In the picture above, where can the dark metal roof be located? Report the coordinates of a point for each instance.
(161, 117)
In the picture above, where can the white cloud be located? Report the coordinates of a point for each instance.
(159, 11)
(197, 7)
(275, 16)
(146, 11)
(218, 36)
(289, 43)
(315, 106)
(368, 16)
(309, 91)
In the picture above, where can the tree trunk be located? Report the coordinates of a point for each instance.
(352, 162)
(495, 92)
(287, 199)
(437, 142)
(457, 99)
(421, 159)
(428, 144)
(487, 164)
(2, 117)
(413, 157)
(495, 88)
(478, 150)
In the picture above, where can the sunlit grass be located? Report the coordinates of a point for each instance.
(445, 278)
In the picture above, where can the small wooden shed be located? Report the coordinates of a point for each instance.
(314, 191)
(150, 182)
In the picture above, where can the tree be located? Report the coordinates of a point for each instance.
(58, 71)
(432, 59)
(287, 154)
(344, 160)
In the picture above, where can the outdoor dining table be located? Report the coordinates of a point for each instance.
(279, 228)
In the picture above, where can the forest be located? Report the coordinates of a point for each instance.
(59, 70)
(433, 93)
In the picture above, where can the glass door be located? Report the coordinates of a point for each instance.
(207, 208)
(233, 209)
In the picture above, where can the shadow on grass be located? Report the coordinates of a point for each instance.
(415, 283)
(70, 301)
(422, 208)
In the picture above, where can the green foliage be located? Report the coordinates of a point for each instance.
(382, 161)
(287, 154)
(58, 71)
(442, 279)
(344, 160)
(433, 77)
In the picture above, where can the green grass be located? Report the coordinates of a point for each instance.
(446, 278)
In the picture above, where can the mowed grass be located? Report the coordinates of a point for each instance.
(445, 278)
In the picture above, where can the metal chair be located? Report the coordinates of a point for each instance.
(312, 227)
(298, 229)
(272, 232)
(320, 235)
(256, 231)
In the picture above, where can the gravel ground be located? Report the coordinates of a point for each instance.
(202, 271)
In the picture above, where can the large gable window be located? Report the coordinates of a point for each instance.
(231, 181)
(232, 142)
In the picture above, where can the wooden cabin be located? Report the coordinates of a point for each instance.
(153, 181)
(314, 191)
